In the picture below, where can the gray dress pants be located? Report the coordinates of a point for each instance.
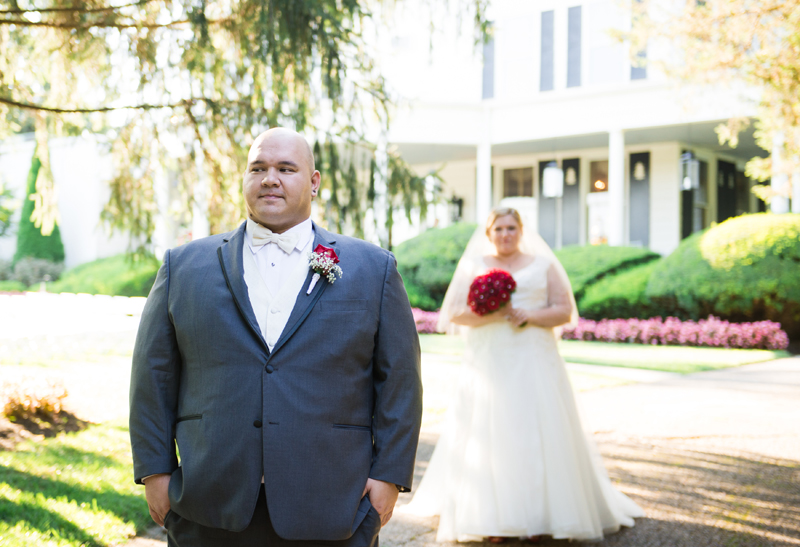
(259, 533)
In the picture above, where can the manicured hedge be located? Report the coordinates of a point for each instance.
(428, 261)
(588, 264)
(621, 295)
(12, 286)
(116, 276)
(744, 269)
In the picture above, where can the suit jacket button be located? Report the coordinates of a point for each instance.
(269, 369)
(257, 423)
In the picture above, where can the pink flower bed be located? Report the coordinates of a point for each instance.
(425, 320)
(711, 332)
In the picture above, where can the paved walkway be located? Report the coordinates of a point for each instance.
(713, 457)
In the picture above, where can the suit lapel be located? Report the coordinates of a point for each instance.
(305, 302)
(232, 261)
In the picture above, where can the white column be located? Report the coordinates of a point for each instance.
(200, 225)
(780, 179)
(483, 182)
(381, 201)
(616, 187)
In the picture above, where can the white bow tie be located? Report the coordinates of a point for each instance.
(286, 241)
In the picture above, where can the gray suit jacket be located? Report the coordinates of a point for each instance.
(338, 400)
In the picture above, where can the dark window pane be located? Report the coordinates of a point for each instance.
(518, 182)
(639, 72)
(598, 173)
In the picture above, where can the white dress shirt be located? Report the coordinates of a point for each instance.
(274, 278)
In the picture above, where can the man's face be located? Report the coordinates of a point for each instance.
(279, 183)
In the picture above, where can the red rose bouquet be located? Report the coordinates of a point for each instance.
(491, 291)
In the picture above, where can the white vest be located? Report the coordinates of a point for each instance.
(273, 310)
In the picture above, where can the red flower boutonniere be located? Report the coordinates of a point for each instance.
(323, 261)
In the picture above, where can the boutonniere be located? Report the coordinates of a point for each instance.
(323, 261)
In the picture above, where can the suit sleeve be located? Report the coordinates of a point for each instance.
(155, 376)
(397, 413)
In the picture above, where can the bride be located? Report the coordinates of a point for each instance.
(513, 460)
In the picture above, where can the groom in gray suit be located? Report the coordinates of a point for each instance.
(269, 409)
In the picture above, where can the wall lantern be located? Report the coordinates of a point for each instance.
(691, 171)
(553, 181)
(571, 177)
(638, 171)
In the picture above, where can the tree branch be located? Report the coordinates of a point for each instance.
(74, 9)
(42, 108)
(185, 103)
(86, 26)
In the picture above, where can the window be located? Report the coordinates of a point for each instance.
(639, 69)
(598, 171)
(701, 200)
(547, 52)
(488, 69)
(574, 47)
(518, 182)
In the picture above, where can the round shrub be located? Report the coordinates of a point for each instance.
(428, 261)
(588, 264)
(621, 296)
(744, 269)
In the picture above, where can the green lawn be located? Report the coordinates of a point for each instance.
(665, 358)
(71, 490)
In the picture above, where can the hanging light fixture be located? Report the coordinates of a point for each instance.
(553, 181)
(691, 171)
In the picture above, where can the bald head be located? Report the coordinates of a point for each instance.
(280, 182)
(284, 134)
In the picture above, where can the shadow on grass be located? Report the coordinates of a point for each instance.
(46, 522)
(692, 498)
(23, 427)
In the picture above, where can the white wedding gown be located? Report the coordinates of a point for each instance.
(513, 459)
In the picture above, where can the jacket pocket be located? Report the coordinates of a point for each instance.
(350, 426)
(188, 417)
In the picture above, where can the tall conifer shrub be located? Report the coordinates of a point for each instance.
(30, 241)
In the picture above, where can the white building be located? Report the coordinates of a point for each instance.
(553, 85)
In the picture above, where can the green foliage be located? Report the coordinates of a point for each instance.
(30, 241)
(246, 66)
(116, 276)
(428, 261)
(621, 296)
(588, 264)
(71, 490)
(744, 269)
(12, 286)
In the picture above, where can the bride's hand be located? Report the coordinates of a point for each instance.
(518, 317)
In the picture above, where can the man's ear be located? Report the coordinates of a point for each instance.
(316, 178)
